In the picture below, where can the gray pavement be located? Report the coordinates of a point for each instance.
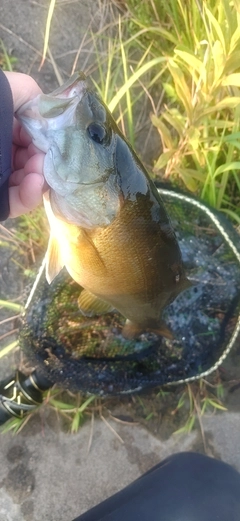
(49, 475)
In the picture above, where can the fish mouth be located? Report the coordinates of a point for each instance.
(51, 111)
(104, 178)
(71, 92)
(76, 85)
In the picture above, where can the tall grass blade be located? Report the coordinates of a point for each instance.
(8, 349)
(47, 31)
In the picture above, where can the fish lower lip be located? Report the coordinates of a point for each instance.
(98, 181)
(101, 180)
(74, 184)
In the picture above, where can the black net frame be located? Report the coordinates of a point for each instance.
(92, 356)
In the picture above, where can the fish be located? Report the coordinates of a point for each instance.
(108, 223)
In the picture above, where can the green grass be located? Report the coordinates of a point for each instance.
(185, 52)
(73, 408)
(74, 413)
(120, 76)
(26, 244)
(7, 61)
(199, 399)
(192, 402)
(198, 123)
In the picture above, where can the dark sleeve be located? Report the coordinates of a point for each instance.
(6, 126)
(186, 486)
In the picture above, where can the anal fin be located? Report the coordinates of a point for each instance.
(90, 305)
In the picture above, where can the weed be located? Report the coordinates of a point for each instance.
(47, 30)
(15, 424)
(26, 243)
(199, 399)
(7, 62)
(120, 74)
(199, 122)
(73, 408)
(73, 412)
(6, 350)
(194, 48)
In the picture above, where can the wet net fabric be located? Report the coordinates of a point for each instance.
(91, 355)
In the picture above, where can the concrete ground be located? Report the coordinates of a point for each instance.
(46, 473)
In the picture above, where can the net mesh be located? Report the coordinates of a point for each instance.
(91, 355)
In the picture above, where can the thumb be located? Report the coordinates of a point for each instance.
(23, 88)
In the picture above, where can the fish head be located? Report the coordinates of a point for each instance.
(74, 128)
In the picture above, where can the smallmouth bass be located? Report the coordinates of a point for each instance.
(108, 224)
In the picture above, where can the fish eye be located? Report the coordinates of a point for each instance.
(97, 132)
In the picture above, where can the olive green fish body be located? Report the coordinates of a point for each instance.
(108, 224)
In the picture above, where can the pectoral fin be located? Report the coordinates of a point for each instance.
(91, 305)
(54, 262)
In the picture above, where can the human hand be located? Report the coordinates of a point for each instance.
(26, 183)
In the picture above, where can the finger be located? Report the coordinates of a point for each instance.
(20, 136)
(20, 156)
(32, 164)
(16, 177)
(35, 163)
(26, 196)
(23, 88)
(32, 149)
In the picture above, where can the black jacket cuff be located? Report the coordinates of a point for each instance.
(6, 129)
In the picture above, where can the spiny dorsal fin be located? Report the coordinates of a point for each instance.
(54, 262)
(90, 305)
